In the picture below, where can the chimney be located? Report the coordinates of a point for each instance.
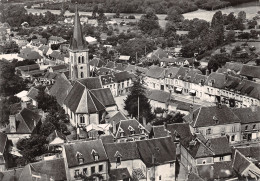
(23, 105)
(12, 124)
(254, 108)
(114, 127)
(207, 72)
(144, 121)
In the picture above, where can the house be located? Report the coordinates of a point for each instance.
(215, 121)
(244, 167)
(124, 58)
(159, 99)
(233, 66)
(32, 95)
(128, 130)
(159, 157)
(58, 68)
(157, 55)
(4, 152)
(119, 174)
(86, 158)
(167, 61)
(169, 78)
(87, 102)
(30, 54)
(49, 170)
(119, 83)
(61, 88)
(23, 70)
(56, 138)
(197, 84)
(250, 124)
(251, 72)
(155, 78)
(91, 40)
(22, 124)
(124, 156)
(49, 78)
(55, 40)
(115, 116)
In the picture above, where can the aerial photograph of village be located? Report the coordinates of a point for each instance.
(129, 90)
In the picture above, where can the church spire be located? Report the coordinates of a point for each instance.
(77, 42)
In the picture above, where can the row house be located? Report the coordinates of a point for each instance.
(215, 121)
(85, 159)
(119, 83)
(155, 78)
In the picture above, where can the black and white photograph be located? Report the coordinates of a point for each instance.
(129, 90)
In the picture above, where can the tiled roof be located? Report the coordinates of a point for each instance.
(29, 54)
(240, 162)
(3, 141)
(61, 88)
(44, 49)
(158, 95)
(85, 150)
(171, 72)
(110, 65)
(219, 170)
(91, 82)
(156, 72)
(29, 67)
(250, 71)
(104, 96)
(199, 78)
(138, 174)
(191, 75)
(181, 73)
(26, 120)
(163, 150)
(160, 131)
(217, 79)
(33, 93)
(50, 75)
(117, 117)
(212, 116)
(119, 174)
(247, 115)
(59, 67)
(57, 55)
(198, 149)
(180, 129)
(107, 139)
(231, 82)
(123, 126)
(123, 76)
(168, 60)
(215, 143)
(126, 151)
(251, 151)
(55, 134)
(120, 66)
(11, 175)
(249, 88)
(234, 66)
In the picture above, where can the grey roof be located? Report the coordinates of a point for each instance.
(117, 118)
(155, 72)
(61, 88)
(247, 115)
(212, 116)
(240, 162)
(217, 79)
(163, 150)
(29, 67)
(104, 96)
(85, 149)
(250, 71)
(158, 95)
(55, 134)
(215, 143)
(160, 131)
(126, 151)
(33, 93)
(171, 72)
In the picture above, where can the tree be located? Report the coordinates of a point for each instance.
(174, 16)
(170, 29)
(149, 21)
(217, 24)
(242, 15)
(138, 91)
(10, 47)
(95, 10)
(230, 37)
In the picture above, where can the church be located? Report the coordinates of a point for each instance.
(86, 102)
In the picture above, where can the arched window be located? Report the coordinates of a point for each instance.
(79, 59)
(82, 75)
(82, 120)
(82, 59)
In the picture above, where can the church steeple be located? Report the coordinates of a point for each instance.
(78, 52)
(77, 41)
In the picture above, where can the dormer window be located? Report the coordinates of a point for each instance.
(80, 158)
(95, 155)
(131, 129)
(141, 129)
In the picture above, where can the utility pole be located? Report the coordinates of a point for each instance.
(135, 56)
(138, 108)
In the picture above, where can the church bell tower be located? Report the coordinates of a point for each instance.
(78, 52)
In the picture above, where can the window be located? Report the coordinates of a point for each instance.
(79, 59)
(254, 126)
(93, 170)
(85, 171)
(95, 155)
(118, 160)
(208, 131)
(81, 75)
(233, 129)
(81, 160)
(204, 162)
(82, 119)
(100, 168)
(82, 60)
(76, 173)
(233, 138)
(246, 127)
(160, 177)
(221, 158)
(70, 115)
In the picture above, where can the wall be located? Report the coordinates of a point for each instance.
(204, 161)
(156, 104)
(15, 137)
(165, 172)
(225, 158)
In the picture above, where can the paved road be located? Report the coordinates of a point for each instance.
(121, 104)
